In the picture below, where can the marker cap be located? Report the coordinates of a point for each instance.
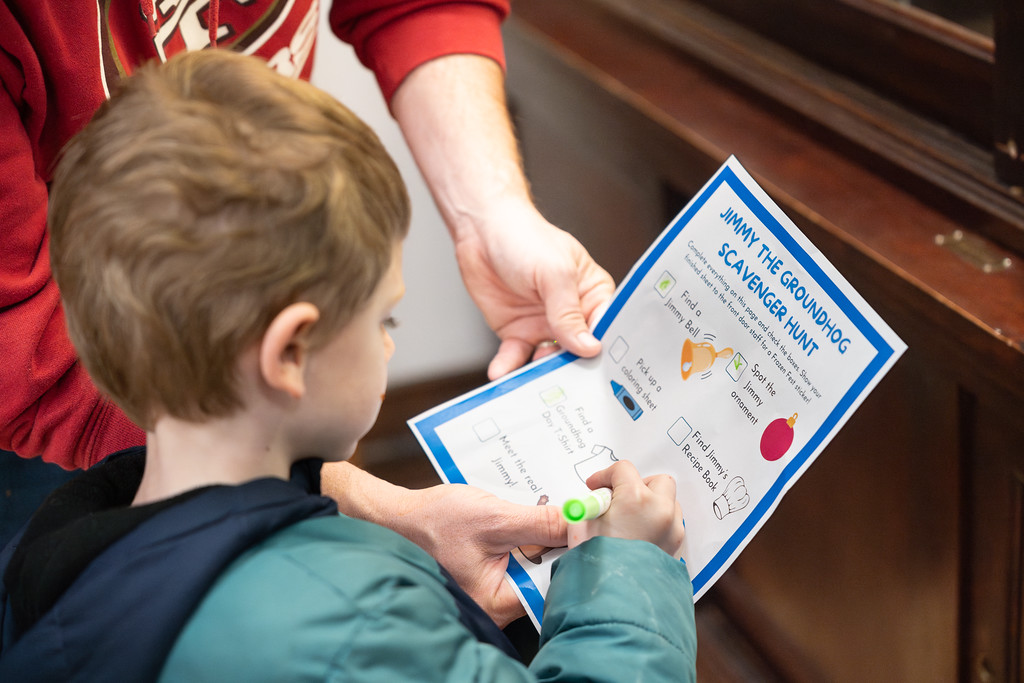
(587, 507)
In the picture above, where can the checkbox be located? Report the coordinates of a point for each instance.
(552, 395)
(664, 284)
(618, 350)
(486, 429)
(735, 367)
(679, 430)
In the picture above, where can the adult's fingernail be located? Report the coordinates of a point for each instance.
(587, 339)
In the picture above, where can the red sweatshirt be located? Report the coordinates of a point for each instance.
(58, 62)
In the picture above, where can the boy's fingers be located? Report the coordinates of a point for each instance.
(662, 484)
(618, 474)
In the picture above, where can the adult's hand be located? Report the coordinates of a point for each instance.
(471, 532)
(533, 282)
(468, 531)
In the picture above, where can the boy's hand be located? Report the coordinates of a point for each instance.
(645, 509)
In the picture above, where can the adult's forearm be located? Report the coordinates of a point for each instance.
(394, 37)
(361, 495)
(532, 281)
(454, 116)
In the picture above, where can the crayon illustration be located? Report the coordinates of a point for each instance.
(626, 400)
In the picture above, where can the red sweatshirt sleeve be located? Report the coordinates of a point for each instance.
(48, 405)
(393, 37)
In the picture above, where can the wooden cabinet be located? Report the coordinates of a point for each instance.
(899, 555)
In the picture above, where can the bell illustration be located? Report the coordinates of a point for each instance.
(698, 357)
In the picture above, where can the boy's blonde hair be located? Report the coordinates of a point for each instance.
(206, 196)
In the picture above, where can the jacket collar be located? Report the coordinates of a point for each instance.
(92, 575)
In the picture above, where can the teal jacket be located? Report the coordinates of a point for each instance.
(339, 599)
(266, 581)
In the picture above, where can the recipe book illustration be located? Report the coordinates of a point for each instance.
(732, 353)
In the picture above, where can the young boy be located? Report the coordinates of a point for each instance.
(228, 245)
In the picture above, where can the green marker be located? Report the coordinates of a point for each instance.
(590, 506)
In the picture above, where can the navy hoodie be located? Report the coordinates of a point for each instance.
(97, 590)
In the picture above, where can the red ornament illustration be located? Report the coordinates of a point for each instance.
(777, 438)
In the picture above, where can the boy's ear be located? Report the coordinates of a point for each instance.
(284, 349)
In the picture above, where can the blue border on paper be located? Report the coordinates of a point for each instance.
(428, 426)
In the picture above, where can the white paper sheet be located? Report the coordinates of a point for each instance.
(732, 354)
